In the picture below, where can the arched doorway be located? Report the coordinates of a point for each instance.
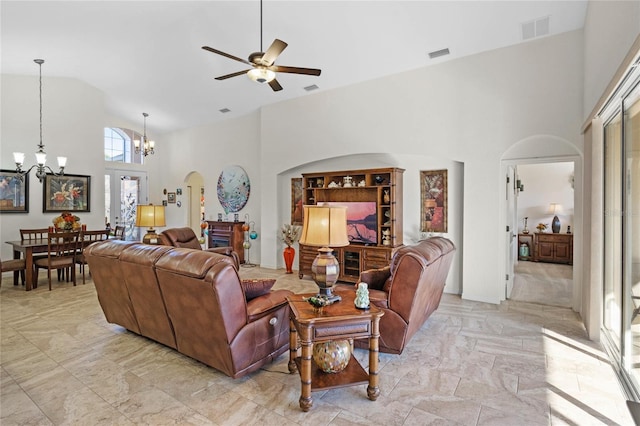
(542, 150)
(194, 183)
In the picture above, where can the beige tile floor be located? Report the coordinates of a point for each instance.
(471, 364)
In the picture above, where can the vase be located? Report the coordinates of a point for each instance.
(289, 254)
(332, 356)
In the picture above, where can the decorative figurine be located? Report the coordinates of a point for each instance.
(362, 296)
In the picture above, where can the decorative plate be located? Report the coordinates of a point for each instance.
(233, 189)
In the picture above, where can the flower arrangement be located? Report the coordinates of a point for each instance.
(290, 234)
(541, 227)
(67, 222)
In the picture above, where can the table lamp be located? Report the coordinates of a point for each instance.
(554, 209)
(325, 227)
(150, 216)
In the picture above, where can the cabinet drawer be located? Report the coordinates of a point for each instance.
(554, 238)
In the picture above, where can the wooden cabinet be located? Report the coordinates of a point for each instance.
(553, 248)
(380, 191)
(227, 234)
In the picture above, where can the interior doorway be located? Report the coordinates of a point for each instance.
(195, 201)
(543, 263)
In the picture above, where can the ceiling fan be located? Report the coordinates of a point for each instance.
(263, 68)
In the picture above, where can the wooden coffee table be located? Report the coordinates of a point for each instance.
(340, 321)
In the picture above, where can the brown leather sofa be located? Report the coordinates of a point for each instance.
(408, 290)
(192, 301)
(186, 238)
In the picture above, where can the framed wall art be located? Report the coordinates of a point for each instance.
(296, 201)
(66, 193)
(14, 192)
(433, 201)
(171, 197)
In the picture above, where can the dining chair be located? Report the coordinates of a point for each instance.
(87, 238)
(14, 265)
(118, 234)
(27, 235)
(62, 249)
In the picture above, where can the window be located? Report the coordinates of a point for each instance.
(118, 146)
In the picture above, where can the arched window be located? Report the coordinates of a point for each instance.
(118, 145)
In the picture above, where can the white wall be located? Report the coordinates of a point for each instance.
(544, 184)
(469, 110)
(611, 27)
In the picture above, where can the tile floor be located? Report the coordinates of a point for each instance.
(471, 364)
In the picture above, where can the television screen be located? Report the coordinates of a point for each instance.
(362, 221)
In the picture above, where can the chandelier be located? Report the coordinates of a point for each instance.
(41, 156)
(145, 146)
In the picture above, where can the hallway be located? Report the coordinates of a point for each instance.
(543, 283)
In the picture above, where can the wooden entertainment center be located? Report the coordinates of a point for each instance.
(382, 187)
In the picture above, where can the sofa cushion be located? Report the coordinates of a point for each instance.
(255, 288)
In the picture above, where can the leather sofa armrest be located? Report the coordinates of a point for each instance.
(376, 278)
(267, 303)
(227, 251)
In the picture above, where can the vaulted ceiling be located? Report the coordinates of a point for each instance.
(146, 56)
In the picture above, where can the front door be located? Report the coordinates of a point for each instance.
(124, 190)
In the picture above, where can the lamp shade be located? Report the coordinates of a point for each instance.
(324, 226)
(150, 216)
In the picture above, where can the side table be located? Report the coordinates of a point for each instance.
(339, 321)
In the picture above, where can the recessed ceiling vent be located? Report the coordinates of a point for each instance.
(310, 88)
(224, 110)
(536, 28)
(438, 53)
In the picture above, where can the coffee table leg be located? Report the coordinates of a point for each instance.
(293, 347)
(373, 391)
(305, 376)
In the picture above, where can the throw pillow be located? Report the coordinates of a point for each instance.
(255, 288)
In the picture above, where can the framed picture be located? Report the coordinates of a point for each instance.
(433, 201)
(14, 193)
(171, 197)
(70, 193)
(296, 201)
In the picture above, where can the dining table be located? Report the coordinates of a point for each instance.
(27, 249)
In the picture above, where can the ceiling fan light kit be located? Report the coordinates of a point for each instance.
(263, 63)
(261, 75)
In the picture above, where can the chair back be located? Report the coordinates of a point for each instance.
(63, 247)
(182, 237)
(33, 234)
(118, 233)
(90, 237)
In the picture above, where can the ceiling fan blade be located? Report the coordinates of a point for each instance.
(295, 70)
(235, 58)
(235, 74)
(275, 85)
(273, 52)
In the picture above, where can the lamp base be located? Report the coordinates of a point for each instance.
(151, 237)
(324, 271)
(555, 225)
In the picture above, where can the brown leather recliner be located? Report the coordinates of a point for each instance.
(409, 290)
(192, 301)
(185, 237)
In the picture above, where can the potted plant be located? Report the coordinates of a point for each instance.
(541, 227)
(289, 234)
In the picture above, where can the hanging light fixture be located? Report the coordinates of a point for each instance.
(145, 146)
(41, 156)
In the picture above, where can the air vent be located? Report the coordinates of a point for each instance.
(438, 53)
(310, 88)
(536, 28)
(224, 110)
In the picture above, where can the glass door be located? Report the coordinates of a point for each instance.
(124, 190)
(631, 236)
